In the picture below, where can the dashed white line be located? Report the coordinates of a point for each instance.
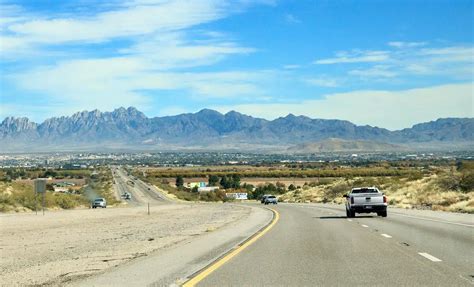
(429, 257)
(349, 220)
(363, 225)
(386, 235)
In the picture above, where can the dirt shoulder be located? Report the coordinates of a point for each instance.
(67, 245)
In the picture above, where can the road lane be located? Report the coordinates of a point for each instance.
(141, 193)
(316, 246)
(452, 241)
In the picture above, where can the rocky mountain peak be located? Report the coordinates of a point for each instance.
(17, 125)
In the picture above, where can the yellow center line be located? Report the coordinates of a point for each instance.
(216, 265)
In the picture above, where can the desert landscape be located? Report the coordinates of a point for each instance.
(63, 246)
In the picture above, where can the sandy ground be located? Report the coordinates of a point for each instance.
(63, 246)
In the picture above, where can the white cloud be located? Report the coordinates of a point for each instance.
(408, 59)
(323, 81)
(105, 83)
(291, 67)
(377, 71)
(174, 50)
(405, 45)
(163, 41)
(129, 21)
(355, 56)
(387, 109)
(292, 19)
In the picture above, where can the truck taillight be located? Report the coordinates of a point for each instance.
(384, 199)
(352, 200)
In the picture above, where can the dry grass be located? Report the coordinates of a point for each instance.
(423, 193)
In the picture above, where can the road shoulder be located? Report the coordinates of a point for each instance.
(174, 265)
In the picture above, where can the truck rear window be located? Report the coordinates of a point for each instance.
(364, 190)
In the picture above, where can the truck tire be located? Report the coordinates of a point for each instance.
(353, 213)
(383, 213)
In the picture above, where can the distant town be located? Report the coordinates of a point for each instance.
(93, 160)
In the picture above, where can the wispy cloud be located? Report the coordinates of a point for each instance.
(377, 71)
(355, 56)
(407, 59)
(323, 81)
(102, 83)
(135, 20)
(162, 41)
(404, 45)
(292, 19)
(377, 108)
(291, 67)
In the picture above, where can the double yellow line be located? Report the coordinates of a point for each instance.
(217, 264)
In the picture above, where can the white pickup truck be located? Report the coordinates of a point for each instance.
(366, 200)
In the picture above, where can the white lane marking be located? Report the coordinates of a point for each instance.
(349, 220)
(386, 235)
(363, 225)
(441, 221)
(430, 257)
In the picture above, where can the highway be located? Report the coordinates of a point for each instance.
(141, 193)
(316, 245)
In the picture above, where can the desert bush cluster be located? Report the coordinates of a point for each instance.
(18, 196)
(448, 189)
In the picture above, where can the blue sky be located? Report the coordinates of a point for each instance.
(383, 63)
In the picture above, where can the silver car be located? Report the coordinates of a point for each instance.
(270, 199)
(99, 202)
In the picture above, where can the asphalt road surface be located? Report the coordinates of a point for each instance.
(316, 245)
(141, 193)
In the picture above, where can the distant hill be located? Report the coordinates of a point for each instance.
(130, 129)
(339, 145)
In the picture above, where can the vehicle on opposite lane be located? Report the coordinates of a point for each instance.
(99, 202)
(366, 200)
(270, 199)
(262, 199)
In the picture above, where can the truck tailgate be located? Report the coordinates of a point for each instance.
(368, 199)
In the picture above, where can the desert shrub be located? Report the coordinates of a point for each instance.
(325, 181)
(466, 183)
(6, 202)
(448, 182)
(415, 176)
(26, 198)
(184, 195)
(465, 166)
(313, 184)
(369, 181)
(218, 195)
(68, 201)
(336, 190)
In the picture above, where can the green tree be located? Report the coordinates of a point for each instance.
(179, 181)
(225, 182)
(213, 180)
(235, 181)
(195, 189)
(50, 173)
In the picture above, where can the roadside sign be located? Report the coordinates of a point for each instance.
(40, 185)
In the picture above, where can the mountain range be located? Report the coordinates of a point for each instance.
(130, 129)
